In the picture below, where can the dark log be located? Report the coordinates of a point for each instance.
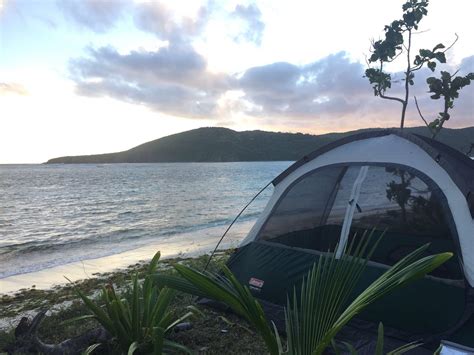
(27, 341)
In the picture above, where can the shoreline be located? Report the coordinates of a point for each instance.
(59, 299)
(210, 328)
(186, 245)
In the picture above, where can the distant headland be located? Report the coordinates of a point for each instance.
(215, 144)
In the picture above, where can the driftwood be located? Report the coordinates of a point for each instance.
(27, 341)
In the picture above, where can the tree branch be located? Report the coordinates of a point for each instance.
(421, 115)
(452, 44)
(391, 98)
(27, 340)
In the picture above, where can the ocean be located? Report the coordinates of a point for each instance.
(54, 215)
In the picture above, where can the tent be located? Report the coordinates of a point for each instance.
(416, 189)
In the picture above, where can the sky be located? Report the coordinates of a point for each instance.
(97, 76)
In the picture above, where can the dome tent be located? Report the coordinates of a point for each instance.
(414, 188)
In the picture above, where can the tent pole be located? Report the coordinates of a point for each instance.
(230, 226)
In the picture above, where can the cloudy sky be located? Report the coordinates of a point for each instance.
(96, 76)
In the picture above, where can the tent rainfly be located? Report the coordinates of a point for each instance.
(416, 189)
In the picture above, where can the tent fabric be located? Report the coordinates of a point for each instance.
(449, 171)
(458, 165)
(411, 188)
(428, 310)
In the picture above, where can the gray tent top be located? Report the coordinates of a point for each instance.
(458, 165)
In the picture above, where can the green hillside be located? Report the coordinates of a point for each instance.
(224, 145)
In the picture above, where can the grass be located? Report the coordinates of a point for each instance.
(214, 332)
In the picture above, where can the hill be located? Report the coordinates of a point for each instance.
(225, 145)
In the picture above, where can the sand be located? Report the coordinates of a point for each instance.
(185, 245)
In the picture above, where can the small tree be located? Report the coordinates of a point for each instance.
(398, 40)
(447, 88)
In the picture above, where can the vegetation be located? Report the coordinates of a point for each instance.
(398, 41)
(140, 321)
(316, 314)
(447, 88)
(226, 145)
(213, 331)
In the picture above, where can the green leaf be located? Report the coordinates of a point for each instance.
(351, 349)
(335, 348)
(407, 270)
(405, 348)
(380, 340)
(136, 327)
(133, 347)
(154, 263)
(228, 290)
(314, 317)
(173, 347)
(441, 57)
(90, 349)
(179, 320)
(158, 316)
(426, 53)
(101, 316)
(158, 340)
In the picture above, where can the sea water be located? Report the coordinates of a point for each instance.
(53, 215)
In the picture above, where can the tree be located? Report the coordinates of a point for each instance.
(397, 41)
(447, 88)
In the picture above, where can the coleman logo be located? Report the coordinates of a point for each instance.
(256, 282)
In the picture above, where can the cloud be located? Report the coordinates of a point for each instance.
(328, 86)
(13, 89)
(254, 26)
(173, 79)
(334, 88)
(96, 15)
(467, 65)
(157, 18)
(176, 80)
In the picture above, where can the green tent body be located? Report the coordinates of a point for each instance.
(414, 189)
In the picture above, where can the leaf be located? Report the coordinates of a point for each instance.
(228, 290)
(90, 349)
(405, 271)
(405, 348)
(351, 349)
(432, 65)
(136, 326)
(426, 53)
(171, 345)
(441, 57)
(154, 263)
(335, 348)
(101, 316)
(133, 347)
(380, 340)
(158, 316)
(179, 320)
(438, 46)
(158, 340)
(278, 339)
(438, 351)
(314, 317)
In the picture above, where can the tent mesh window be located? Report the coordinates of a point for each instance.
(311, 213)
(299, 220)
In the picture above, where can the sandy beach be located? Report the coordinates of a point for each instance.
(184, 245)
